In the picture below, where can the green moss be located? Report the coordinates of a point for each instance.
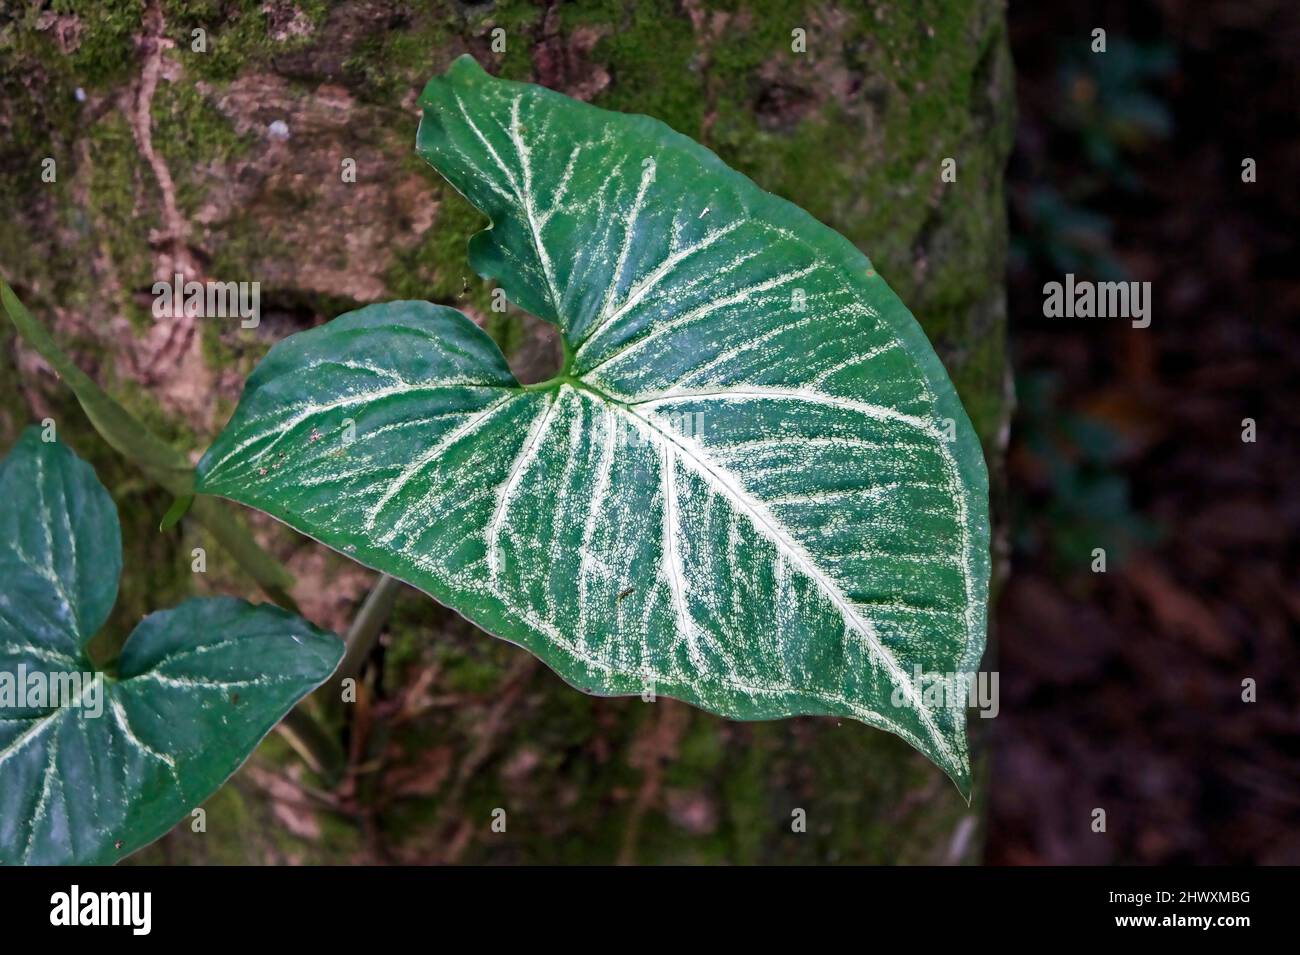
(105, 51)
(31, 65)
(386, 65)
(470, 673)
(522, 22)
(117, 218)
(191, 134)
(244, 245)
(701, 749)
(238, 35)
(437, 269)
(656, 52)
(749, 819)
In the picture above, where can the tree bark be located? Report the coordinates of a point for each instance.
(210, 139)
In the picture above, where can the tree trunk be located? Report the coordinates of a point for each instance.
(211, 138)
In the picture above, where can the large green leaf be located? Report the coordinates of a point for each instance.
(102, 773)
(739, 491)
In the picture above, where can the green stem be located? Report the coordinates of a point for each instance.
(155, 457)
(362, 635)
(114, 423)
(226, 525)
(318, 749)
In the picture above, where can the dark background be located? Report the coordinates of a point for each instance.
(1122, 690)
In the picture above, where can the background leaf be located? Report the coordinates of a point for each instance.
(194, 691)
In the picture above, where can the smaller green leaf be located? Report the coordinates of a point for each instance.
(95, 765)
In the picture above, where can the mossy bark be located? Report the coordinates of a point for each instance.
(227, 163)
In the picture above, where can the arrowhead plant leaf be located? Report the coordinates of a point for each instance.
(751, 487)
(94, 765)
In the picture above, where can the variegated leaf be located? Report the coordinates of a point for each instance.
(94, 765)
(752, 486)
